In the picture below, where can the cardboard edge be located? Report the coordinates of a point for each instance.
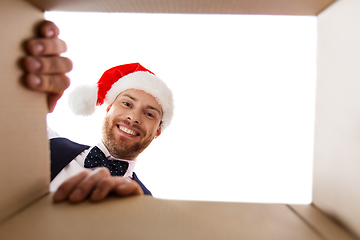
(326, 227)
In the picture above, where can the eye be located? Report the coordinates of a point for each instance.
(150, 115)
(127, 104)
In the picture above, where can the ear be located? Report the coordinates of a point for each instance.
(158, 132)
(108, 108)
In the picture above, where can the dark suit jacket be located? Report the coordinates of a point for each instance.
(63, 151)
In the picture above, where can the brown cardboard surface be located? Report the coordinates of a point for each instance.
(322, 224)
(336, 155)
(24, 171)
(270, 7)
(336, 141)
(149, 218)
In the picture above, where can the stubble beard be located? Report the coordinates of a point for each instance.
(120, 148)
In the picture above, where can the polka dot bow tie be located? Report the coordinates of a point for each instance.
(96, 158)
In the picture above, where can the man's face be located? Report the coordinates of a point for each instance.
(131, 123)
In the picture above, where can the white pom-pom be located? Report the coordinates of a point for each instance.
(82, 100)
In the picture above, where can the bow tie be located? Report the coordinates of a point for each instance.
(96, 158)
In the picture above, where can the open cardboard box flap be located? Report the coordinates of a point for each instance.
(145, 217)
(269, 7)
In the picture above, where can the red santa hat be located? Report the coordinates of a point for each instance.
(84, 99)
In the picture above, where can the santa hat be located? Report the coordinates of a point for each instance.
(84, 99)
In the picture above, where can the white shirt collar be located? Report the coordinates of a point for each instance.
(132, 163)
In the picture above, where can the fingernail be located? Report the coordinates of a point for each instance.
(34, 80)
(50, 33)
(39, 48)
(123, 185)
(35, 64)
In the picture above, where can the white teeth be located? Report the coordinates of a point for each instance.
(124, 129)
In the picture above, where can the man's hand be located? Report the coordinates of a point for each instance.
(96, 185)
(45, 69)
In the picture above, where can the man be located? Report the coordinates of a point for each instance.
(139, 107)
(136, 113)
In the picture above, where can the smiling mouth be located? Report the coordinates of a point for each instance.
(128, 131)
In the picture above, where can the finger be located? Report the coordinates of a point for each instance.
(128, 188)
(46, 46)
(52, 100)
(85, 187)
(47, 65)
(68, 186)
(48, 29)
(56, 84)
(104, 187)
(118, 185)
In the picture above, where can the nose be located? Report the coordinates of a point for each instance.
(134, 117)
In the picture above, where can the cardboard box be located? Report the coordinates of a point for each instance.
(336, 151)
(149, 218)
(26, 211)
(269, 7)
(25, 156)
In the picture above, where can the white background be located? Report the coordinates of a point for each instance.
(244, 89)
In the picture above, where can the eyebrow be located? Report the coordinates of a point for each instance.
(134, 99)
(129, 96)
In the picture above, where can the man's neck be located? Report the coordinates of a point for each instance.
(107, 152)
